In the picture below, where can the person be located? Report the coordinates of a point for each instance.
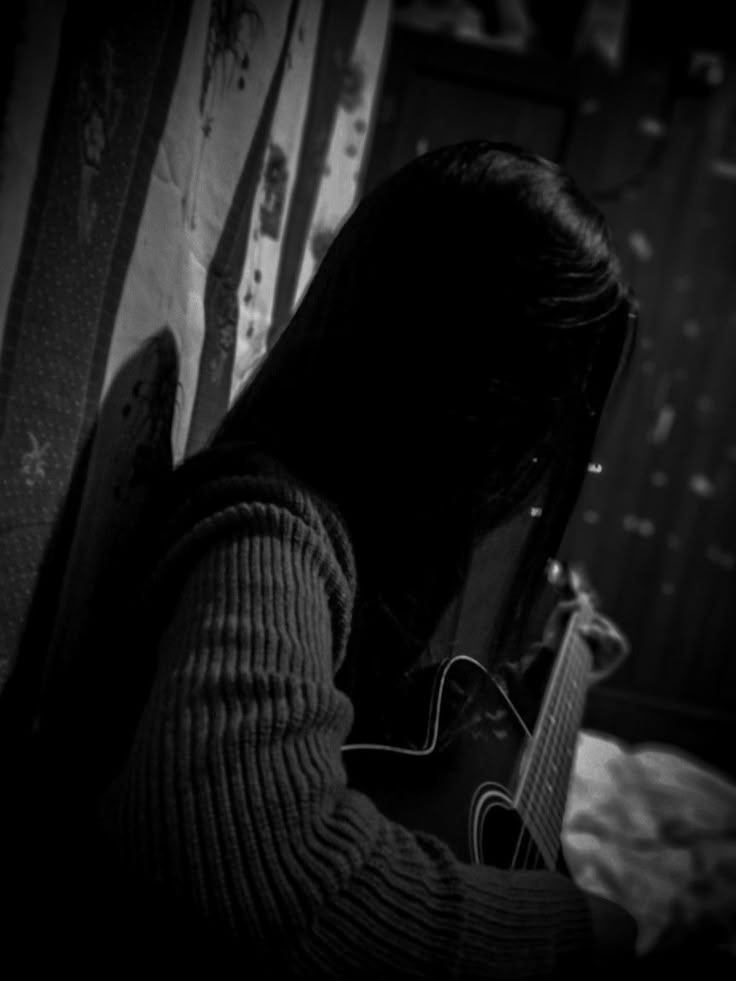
(448, 365)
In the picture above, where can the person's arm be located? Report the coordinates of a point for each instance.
(235, 797)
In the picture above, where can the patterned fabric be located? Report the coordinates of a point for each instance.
(172, 174)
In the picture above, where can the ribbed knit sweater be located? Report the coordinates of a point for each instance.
(233, 798)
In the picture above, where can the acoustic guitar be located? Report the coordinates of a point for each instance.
(461, 764)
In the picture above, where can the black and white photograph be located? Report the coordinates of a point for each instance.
(368, 489)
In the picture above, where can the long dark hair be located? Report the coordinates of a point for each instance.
(450, 359)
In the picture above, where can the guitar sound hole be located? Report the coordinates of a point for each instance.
(506, 843)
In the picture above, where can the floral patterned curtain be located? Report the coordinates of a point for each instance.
(170, 176)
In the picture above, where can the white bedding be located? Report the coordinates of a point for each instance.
(655, 830)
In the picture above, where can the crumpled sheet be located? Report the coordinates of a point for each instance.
(654, 830)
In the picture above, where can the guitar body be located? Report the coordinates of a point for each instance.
(452, 767)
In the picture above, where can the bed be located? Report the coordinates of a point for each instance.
(655, 830)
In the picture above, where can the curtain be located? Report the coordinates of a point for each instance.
(171, 174)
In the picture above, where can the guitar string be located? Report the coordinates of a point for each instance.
(524, 835)
(549, 825)
(533, 853)
(552, 708)
(531, 788)
(534, 856)
(531, 816)
(548, 821)
(566, 735)
(557, 746)
(550, 752)
(514, 859)
(538, 860)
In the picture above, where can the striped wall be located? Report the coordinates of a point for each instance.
(171, 174)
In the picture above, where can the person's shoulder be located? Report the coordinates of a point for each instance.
(230, 484)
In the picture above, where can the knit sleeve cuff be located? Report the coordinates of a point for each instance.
(538, 908)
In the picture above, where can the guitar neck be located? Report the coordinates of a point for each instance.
(543, 784)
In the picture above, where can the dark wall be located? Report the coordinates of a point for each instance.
(657, 147)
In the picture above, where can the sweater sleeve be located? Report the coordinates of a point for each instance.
(235, 798)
